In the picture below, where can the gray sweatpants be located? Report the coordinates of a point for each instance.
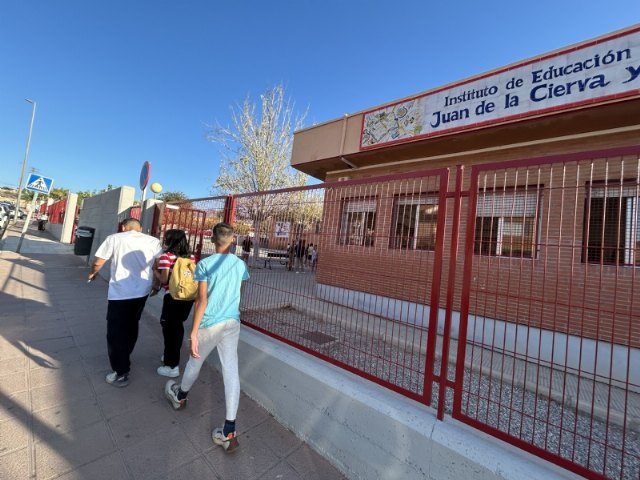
(224, 336)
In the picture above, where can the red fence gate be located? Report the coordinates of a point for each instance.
(528, 333)
(550, 309)
(196, 223)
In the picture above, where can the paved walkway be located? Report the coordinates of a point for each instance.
(58, 417)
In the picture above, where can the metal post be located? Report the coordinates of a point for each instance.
(26, 156)
(26, 222)
(142, 199)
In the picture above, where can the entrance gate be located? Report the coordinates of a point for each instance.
(195, 222)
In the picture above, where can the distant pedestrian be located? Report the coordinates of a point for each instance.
(216, 324)
(307, 257)
(234, 246)
(246, 248)
(300, 254)
(314, 258)
(291, 254)
(42, 221)
(132, 255)
(174, 311)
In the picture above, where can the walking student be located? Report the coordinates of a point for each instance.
(174, 310)
(132, 255)
(246, 248)
(291, 252)
(300, 255)
(216, 324)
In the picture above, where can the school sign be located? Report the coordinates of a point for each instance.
(596, 72)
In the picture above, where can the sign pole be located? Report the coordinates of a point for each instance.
(142, 199)
(26, 222)
(145, 173)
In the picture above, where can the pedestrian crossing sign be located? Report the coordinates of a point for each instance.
(38, 183)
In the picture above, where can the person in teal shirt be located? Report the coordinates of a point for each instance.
(216, 324)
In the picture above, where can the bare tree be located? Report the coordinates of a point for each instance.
(256, 151)
(256, 147)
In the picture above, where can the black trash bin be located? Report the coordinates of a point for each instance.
(84, 239)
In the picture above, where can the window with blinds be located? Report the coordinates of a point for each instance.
(506, 221)
(358, 222)
(415, 222)
(612, 225)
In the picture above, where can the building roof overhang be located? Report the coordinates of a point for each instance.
(592, 119)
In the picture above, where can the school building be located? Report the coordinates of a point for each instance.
(527, 176)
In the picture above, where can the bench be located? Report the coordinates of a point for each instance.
(269, 255)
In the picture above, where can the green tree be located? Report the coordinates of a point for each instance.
(173, 197)
(85, 194)
(58, 193)
(26, 195)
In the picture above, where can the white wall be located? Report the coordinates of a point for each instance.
(69, 218)
(63, 231)
(148, 211)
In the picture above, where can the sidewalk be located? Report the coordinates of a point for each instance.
(58, 417)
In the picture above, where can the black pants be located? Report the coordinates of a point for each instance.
(174, 313)
(122, 331)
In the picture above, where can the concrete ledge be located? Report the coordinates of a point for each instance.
(366, 431)
(370, 432)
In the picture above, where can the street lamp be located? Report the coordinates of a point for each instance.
(26, 157)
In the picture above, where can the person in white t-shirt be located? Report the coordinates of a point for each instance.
(132, 254)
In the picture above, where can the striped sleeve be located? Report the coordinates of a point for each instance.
(165, 262)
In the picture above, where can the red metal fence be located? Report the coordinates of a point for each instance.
(529, 332)
(550, 309)
(56, 211)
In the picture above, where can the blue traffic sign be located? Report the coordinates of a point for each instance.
(145, 173)
(38, 183)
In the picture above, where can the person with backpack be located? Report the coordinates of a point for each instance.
(174, 273)
(216, 325)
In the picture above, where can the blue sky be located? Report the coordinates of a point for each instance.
(119, 82)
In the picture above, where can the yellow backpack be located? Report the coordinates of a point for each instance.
(182, 285)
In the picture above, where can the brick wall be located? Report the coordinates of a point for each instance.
(555, 290)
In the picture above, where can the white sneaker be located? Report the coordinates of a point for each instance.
(168, 371)
(117, 380)
(171, 390)
(229, 443)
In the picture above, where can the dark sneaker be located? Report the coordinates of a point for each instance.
(117, 380)
(171, 390)
(229, 443)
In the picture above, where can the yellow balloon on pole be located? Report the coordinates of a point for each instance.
(156, 187)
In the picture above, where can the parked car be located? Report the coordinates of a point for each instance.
(11, 209)
(4, 217)
(21, 214)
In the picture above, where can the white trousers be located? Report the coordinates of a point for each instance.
(224, 336)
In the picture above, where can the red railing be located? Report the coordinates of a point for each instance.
(195, 217)
(550, 310)
(56, 211)
(529, 333)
